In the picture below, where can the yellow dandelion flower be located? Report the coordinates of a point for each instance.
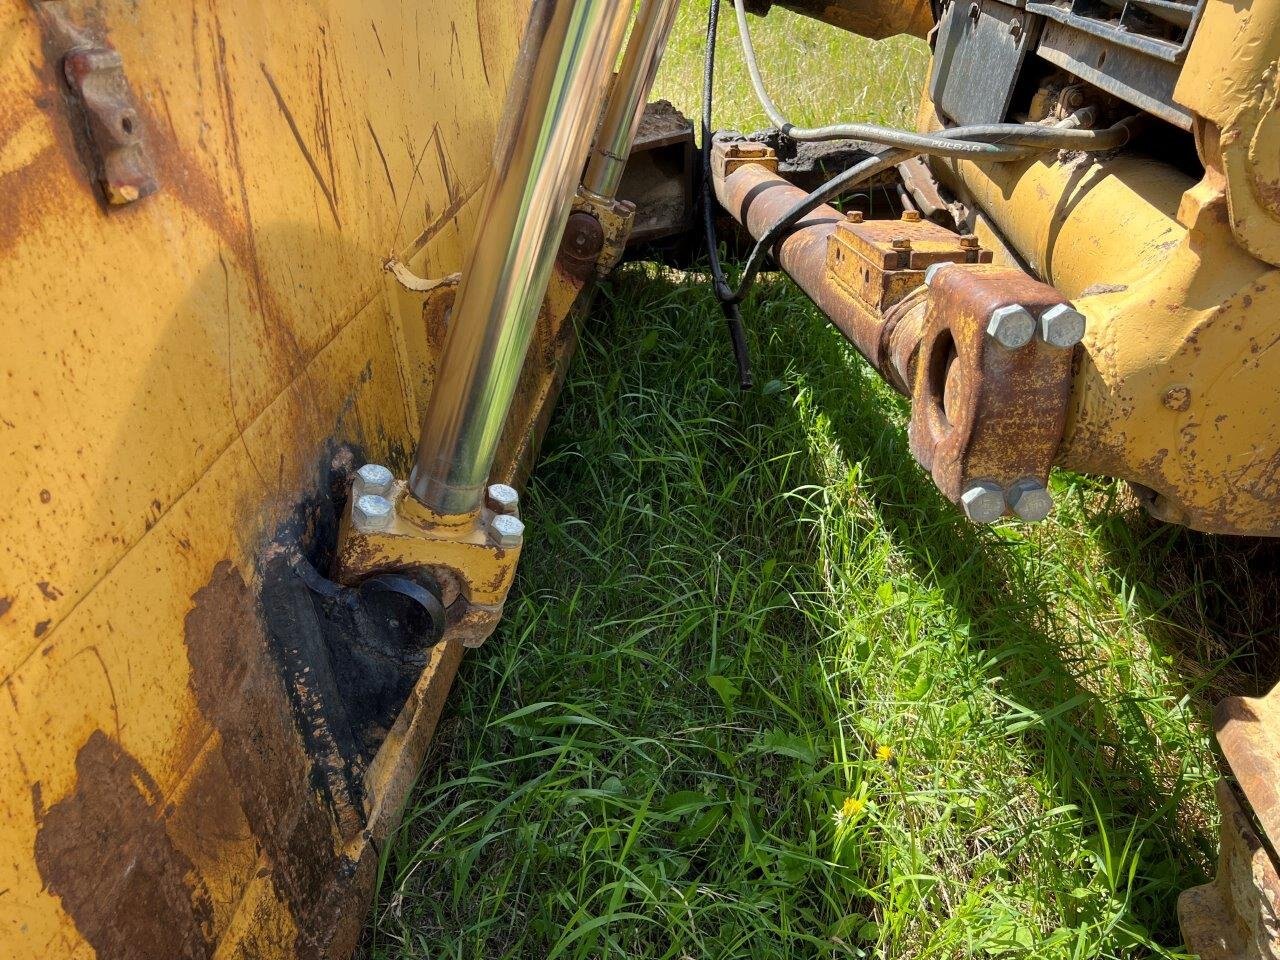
(852, 806)
(885, 754)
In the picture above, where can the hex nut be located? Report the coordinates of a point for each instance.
(1012, 326)
(983, 502)
(1030, 500)
(911, 216)
(506, 531)
(1062, 326)
(372, 512)
(374, 478)
(502, 499)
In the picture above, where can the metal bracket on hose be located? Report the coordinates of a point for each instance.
(387, 535)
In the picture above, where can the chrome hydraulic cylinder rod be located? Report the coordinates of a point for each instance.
(630, 92)
(551, 110)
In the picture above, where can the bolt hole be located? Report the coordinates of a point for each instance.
(1102, 58)
(126, 124)
(942, 378)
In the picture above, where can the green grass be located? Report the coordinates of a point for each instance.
(814, 71)
(761, 693)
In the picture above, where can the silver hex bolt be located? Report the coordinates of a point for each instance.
(983, 502)
(1062, 326)
(502, 499)
(1030, 500)
(375, 479)
(506, 531)
(1012, 326)
(372, 512)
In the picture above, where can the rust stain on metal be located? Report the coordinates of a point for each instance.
(105, 852)
(1177, 398)
(1237, 915)
(96, 74)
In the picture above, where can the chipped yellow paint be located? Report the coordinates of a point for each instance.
(1229, 83)
(174, 369)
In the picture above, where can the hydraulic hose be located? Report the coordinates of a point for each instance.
(855, 175)
(992, 141)
(996, 142)
(728, 306)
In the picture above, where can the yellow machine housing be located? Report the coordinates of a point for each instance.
(181, 371)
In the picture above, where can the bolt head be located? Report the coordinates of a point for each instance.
(854, 216)
(969, 242)
(900, 243)
(983, 502)
(934, 269)
(1062, 326)
(372, 512)
(506, 531)
(583, 236)
(1012, 326)
(1030, 500)
(375, 479)
(502, 499)
(910, 216)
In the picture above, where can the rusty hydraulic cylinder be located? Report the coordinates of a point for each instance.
(626, 101)
(984, 352)
(758, 197)
(551, 109)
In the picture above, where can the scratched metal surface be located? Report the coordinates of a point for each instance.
(172, 369)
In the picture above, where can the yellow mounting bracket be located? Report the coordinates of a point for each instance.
(471, 557)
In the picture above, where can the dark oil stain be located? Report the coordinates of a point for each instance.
(239, 690)
(42, 627)
(105, 853)
(49, 590)
(302, 145)
(6, 603)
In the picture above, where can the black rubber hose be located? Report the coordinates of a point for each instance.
(729, 306)
(991, 142)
